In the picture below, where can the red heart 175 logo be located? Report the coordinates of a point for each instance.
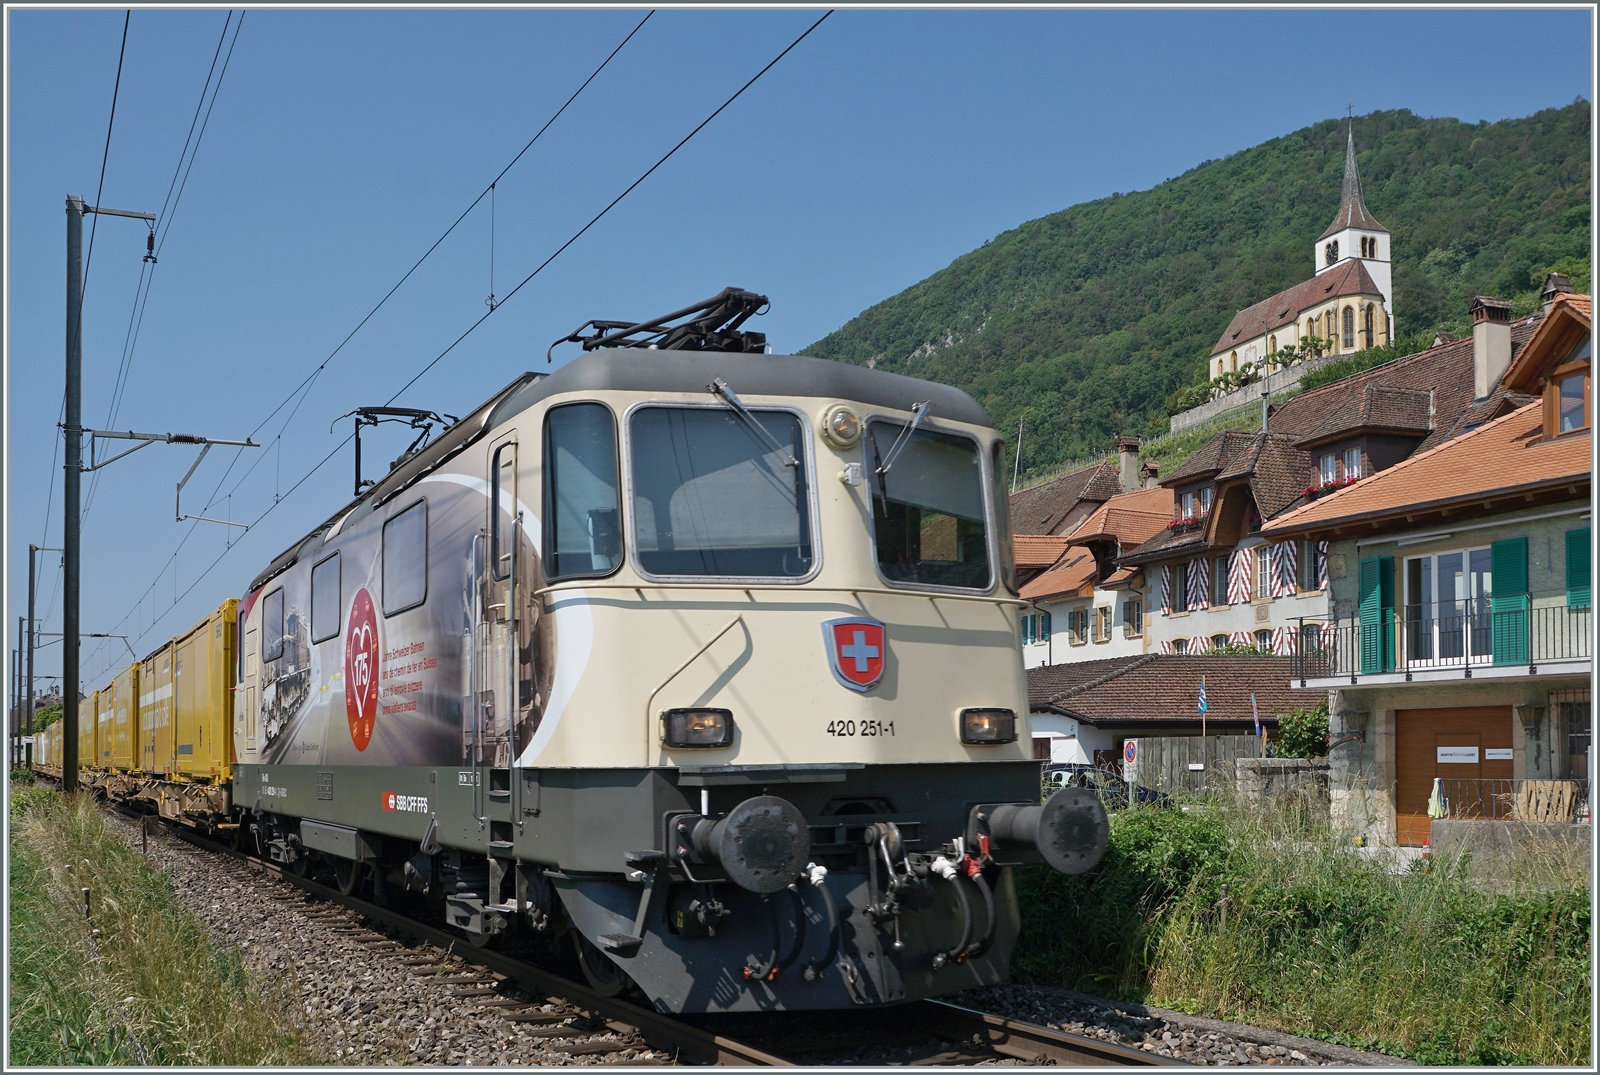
(361, 669)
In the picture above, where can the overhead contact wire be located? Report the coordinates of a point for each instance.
(612, 205)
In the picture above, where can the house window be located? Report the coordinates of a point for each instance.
(1205, 501)
(1233, 362)
(1572, 414)
(1448, 606)
(1041, 748)
(1180, 587)
(1102, 624)
(1349, 329)
(1328, 468)
(1219, 581)
(1310, 567)
(1035, 628)
(1263, 572)
(1180, 646)
(1311, 638)
(1187, 506)
(1352, 463)
(1369, 324)
(1135, 618)
(1264, 640)
(1219, 641)
(1080, 626)
(1272, 345)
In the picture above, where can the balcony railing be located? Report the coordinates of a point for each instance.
(1465, 636)
(1550, 801)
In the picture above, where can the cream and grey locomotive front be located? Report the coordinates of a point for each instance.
(704, 655)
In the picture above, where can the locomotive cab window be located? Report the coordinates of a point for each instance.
(405, 559)
(582, 528)
(272, 625)
(713, 498)
(927, 511)
(326, 601)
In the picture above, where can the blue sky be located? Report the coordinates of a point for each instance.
(342, 143)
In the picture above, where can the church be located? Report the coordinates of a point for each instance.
(1348, 304)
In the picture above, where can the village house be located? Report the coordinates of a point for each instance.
(1059, 506)
(1348, 305)
(1087, 606)
(1458, 641)
(1216, 578)
(1085, 713)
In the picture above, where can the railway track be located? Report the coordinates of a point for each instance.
(587, 1025)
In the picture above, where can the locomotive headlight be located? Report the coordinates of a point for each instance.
(697, 728)
(986, 727)
(841, 427)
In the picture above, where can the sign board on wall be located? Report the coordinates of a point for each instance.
(1496, 753)
(1457, 756)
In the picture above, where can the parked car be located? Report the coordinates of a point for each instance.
(1114, 791)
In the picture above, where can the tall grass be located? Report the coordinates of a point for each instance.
(1268, 917)
(138, 982)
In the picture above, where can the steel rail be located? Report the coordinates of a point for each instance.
(690, 1044)
(1010, 1038)
(1032, 1043)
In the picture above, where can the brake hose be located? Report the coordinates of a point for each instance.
(950, 872)
(763, 971)
(799, 932)
(817, 875)
(980, 947)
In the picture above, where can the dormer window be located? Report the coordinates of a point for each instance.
(1205, 501)
(1572, 402)
(1352, 463)
(1328, 468)
(1187, 506)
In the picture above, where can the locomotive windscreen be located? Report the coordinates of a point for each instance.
(710, 498)
(927, 511)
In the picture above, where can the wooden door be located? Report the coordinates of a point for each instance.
(1466, 748)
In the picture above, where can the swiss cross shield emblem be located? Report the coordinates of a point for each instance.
(856, 651)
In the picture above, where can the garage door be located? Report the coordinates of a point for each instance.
(1468, 749)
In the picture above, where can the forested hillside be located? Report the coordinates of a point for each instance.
(1085, 321)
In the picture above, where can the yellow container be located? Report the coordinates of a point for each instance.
(88, 719)
(202, 692)
(156, 753)
(125, 718)
(104, 720)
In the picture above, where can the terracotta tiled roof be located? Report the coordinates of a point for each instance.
(1507, 455)
(1069, 575)
(1131, 518)
(1164, 689)
(1037, 550)
(1445, 370)
(1378, 408)
(1352, 209)
(1041, 508)
(1277, 471)
(1268, 315)
(1217, 454)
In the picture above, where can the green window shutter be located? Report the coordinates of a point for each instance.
(1578, 561)
(1377, 615)
(1508, 608)
(1044, 627)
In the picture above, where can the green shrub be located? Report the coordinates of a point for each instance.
(1303, 733)
(1267, 916)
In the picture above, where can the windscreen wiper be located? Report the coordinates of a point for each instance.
(918, 412)
(721, 388)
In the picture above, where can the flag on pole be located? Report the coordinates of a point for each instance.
(1202, 707)
(1254, 712)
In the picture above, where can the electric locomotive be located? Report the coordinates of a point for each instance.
(702, 655)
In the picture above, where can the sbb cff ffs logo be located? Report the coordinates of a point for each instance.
(405, 804)
(857, 650)
(361, 669)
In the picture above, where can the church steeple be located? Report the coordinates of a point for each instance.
(1352, 210)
